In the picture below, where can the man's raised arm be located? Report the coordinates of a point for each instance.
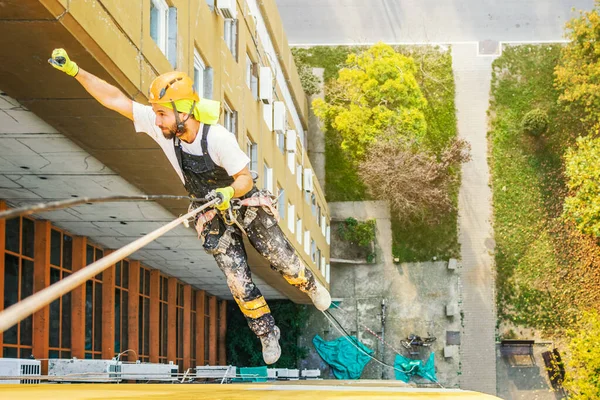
(108, 95)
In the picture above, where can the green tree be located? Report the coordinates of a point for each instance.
(583, 180)
(374, 91)
(582, 378)
(578, 73)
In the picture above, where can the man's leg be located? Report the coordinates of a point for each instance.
(269, 240)
(234, 265)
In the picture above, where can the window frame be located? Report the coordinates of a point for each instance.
(63, 350)
(23, 345)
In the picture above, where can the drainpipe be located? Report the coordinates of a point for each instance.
(382, 334)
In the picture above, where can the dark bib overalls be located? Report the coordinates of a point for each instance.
(201, 176)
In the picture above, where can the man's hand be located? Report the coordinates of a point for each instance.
(61, 61)
(225, 194)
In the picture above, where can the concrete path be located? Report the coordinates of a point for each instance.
(331, 22)
(472, 74)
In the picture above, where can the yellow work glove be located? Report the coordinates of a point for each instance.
(225, 194)
(61, 61)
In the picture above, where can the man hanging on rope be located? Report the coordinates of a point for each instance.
(210, 163)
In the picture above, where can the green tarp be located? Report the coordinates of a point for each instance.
(346, 361)
(405, 368)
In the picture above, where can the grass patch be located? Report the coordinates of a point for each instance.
(541, 260)
(414, 241)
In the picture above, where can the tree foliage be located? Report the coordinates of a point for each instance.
(374, 91)
(578, 73)
(417, 183)
(583, 173)
(244, 348)
(583, 364)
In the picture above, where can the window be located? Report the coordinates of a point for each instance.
(299, 229)
(268, 178)
(144, 316)
(230, 118)
(18, 283)
(291, 214)
(324, 224)
(211, 5)
(121, 307)
(322, 266)
(93, 307)
(230, 27)
(280, 139)
(319, 219)
(281, 202)
(61, 257)
(307, 242)
(252, 152)
(328, 234)
(313, 251)
(299, 175)
(207, 328)
(179, 326)
(252, 76)
(313, 204)
(193, 316)
(163, 320)
(318, 259)
(203, 77)
(327, 272)
(163, 28)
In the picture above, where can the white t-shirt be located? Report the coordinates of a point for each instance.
(223, 147)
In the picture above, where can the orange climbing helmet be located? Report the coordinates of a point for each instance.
(172, 86)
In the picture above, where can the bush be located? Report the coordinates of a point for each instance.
(417, 183)
(583, 173)
(310, 82)
(359, 233)
(535, 122)
(244, 348)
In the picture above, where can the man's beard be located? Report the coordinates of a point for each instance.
(172, 133)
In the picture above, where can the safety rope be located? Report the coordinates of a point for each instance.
(331, 318)
(59, 204)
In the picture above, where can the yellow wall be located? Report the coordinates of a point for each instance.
(121, 29)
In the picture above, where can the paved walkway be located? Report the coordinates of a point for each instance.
(472, 74)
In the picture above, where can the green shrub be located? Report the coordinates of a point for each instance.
(535, 122)
(359, 233)
(583, 173)
(244, 348)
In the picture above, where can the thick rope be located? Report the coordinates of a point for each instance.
(59, 204)
(31, 304)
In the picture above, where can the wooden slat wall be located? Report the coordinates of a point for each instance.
(108, 311)
(154, 315)
(133, 310)
(41, 279)
(78, 301)
(200, 305)
(187, 316)
(2, 245)
(222, 332)
(212, 355)
(172, 320)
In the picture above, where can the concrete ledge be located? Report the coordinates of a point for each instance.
(360, 210)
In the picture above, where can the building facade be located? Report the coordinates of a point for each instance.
(167, 302)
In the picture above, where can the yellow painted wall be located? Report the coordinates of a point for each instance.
(121, 29)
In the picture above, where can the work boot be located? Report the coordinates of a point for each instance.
(270, 346)
(320, 296)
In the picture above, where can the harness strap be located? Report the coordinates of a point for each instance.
(204, 219)
(203, 146)
(260, 201)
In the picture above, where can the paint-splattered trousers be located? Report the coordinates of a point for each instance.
(268, 239)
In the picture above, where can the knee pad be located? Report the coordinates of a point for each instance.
(253, 308)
